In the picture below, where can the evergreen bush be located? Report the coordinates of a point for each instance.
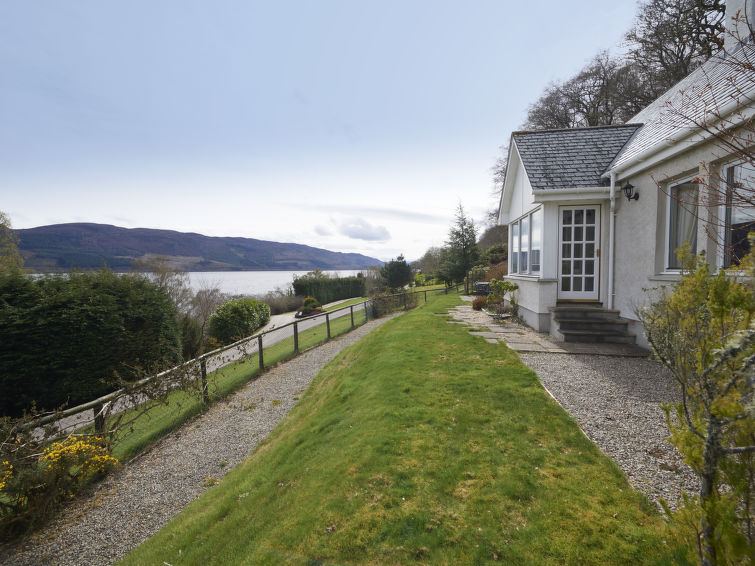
(70, 339)
(237, 319)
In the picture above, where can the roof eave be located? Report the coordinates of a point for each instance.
(569, 193)
(682, 140)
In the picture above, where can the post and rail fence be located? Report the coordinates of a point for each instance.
(72, 419)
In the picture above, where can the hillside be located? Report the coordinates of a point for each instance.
(60, 247)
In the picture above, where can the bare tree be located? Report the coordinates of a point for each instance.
(604, 92)
(204, 302)
(670, 38)
(174, 281)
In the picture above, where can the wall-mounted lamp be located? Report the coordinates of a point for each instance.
(629, 192)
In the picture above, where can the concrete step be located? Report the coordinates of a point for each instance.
(593, 325)
(592, 313)
(597, 337)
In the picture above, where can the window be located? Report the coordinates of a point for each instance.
(514, 267)
(537, 237)
(739, 218)
(682, 220)
(526, 243)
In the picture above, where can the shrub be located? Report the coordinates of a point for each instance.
(499, 290)
(479, 303)
(37, 474)
(191, 336)
(497, 271)
(702, 330)
(237, 319)
(309, 305)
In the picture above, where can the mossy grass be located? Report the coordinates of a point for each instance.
(423, 444)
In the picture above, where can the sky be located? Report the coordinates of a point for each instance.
(354, 126)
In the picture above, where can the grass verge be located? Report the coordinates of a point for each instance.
(181, 405)
(420, 444)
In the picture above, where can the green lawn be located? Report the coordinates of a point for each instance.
(346, 303)
(420, 444)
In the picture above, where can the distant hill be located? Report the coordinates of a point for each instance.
(61, 247)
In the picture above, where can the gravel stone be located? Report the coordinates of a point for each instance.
(101, 526)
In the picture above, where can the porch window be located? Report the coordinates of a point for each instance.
(683, 199)
(514, 267)
(739, 215)
(537, 237)
(526, 243)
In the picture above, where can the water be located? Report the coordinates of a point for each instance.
(250, 282)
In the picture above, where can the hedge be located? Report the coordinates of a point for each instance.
(327, 290)
(68, 339)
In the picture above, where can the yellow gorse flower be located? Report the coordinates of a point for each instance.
(6, 474)
(90, 455)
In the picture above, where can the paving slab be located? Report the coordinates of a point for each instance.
(522, 338)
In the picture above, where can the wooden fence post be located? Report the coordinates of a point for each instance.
(352, 316)
(296, 337)
(99, 418)
(327, 323)
(260, 351)
(205, 392)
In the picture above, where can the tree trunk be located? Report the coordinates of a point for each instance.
(711, 456)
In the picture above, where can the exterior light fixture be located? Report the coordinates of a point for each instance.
(629, 192)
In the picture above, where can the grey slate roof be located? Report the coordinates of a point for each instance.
(573, 158)
(716, 83)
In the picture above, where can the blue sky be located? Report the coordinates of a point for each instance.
(349, 125)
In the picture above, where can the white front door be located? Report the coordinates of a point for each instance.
(579, 252)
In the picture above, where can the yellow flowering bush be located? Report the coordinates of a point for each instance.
(33, 483)
(74, 461)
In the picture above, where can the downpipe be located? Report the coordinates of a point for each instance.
(611, 240)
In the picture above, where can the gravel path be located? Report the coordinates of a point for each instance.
(616, 401)
(135, 502)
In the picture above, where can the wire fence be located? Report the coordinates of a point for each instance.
(262, 349)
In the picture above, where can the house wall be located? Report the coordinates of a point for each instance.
(521, 200)
(534, 297)
(641, 232)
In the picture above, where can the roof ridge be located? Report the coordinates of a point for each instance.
(581, 128)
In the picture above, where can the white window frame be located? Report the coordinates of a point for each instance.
(518, 248)
(667, 251)
(722, 258)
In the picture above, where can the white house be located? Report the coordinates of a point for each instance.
(582, 253)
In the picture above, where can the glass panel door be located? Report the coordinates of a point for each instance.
(579, 253)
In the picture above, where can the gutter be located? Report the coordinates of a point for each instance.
(542, 195)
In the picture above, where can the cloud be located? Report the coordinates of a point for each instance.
(360, 229)
(322, 231)
(373, 211)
